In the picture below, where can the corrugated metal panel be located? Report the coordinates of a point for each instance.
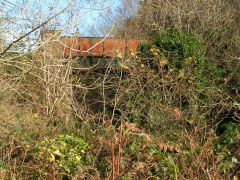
(113, 46)
(132, 46)
(71, 46)
(84, 45)
(98, 49)
(110, 47)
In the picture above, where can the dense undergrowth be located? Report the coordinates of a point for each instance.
(167, 112)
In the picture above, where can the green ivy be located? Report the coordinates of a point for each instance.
(231, 130)
(68, 151)
(184, 52)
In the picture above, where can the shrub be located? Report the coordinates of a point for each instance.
(67, 151)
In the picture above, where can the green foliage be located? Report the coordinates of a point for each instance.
(139, 104)
(175, 57)
(169, 40)
(231, 130)
(165, 165)
(181, 55)
(178, 46)
(2, 165)
(144, 48)
(184, 53)
(68, 151)
(225, 144)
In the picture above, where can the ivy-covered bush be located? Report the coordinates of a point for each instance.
(68, 151)
(186, 56)
(183, 51)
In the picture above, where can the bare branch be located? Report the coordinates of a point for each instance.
(25, 35)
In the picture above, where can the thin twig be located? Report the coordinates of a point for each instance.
(113, 162)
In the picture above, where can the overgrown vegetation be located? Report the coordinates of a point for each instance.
(170, 110)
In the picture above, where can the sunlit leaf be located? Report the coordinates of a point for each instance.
(181, 74)
(164, 62)
(191, 122)
(132, 53)
(76, 34)
(119, 55)
(52, 157)
(35, 115)
(123, 65)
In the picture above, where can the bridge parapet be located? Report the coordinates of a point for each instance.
(82, 46)
(90, 46)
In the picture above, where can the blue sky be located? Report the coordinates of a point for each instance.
(28, 14)
(33, 10)
(91, 17)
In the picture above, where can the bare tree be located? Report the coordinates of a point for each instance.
(141, 19)
(31, 32)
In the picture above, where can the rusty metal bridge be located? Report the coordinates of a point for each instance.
(88, 50)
